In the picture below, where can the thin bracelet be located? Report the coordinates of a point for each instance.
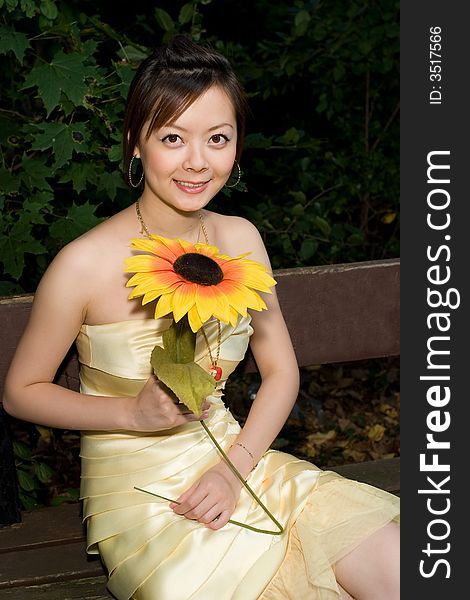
(246, 450)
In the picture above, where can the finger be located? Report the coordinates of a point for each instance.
(204, 512)
(189, 500)
(191, 416)
(220, 520)
(212, 515)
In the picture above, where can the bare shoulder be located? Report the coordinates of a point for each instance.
(88, 261)
(236, 235)
(91, 252)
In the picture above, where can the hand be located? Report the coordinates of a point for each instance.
(156, 408)
(212, 499)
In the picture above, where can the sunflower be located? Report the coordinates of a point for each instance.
(195, 280)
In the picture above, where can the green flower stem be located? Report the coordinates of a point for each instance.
(245, 485)
(248, 489)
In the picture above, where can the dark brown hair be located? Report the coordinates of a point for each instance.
(169, 80)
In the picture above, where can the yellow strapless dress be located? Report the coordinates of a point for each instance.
(153, 554)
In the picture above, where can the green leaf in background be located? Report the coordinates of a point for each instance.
(29, 8)
(35, 172)
(16, 41)
(62, 139)
(21, 450)
(25, 480)
(80, 174)
(8, 182)
(48, 9)
(65, 73)
(43, 472)
(13, 246)
(110, 182)
(78, 220)
(186, 13)
(164, 19)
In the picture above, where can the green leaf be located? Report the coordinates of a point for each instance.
(186, 13)
(8, 182)
(14, 246)
(29, 8)
(78, 220)
(63, 139)
(34, 173)
(25, 481)
(10, 4)
(126, 73)
(322, 225)
(131, 53)
(33, 209)
(179, 342)
(48, 9)
(301, 21)
(189, 382)
(66, 73)
(15, 41)
(27, 502)
(110, 182)
(164, 19)
(174, 365)
(21, 450)
(80, 174)
(43, 472)
(308, 248)
(115, 153)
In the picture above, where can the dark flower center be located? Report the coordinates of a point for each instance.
(198, 268)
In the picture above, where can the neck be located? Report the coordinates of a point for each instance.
(168, 222)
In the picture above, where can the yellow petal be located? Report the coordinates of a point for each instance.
(183, 300)
(194, 319)
(205, 301)
(233, 317)
(156, 246)
(206, 249)
(164, 306)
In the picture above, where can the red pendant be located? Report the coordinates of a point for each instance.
(216, 372)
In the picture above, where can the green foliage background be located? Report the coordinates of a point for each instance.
(321, 160)
(320, 166)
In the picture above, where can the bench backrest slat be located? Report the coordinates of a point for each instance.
(335, 313)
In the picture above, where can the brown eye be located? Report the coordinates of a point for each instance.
(172, 138)
(219, 139)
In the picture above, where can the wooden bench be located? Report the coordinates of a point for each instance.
(335, 314)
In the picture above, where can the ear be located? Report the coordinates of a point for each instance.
(136, 151)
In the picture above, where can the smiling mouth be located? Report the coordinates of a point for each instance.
(191, 185)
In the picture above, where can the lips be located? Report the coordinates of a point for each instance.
(190, 184)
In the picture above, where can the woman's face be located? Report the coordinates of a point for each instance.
(188, 161)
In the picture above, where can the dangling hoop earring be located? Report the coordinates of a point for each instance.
(239, 176)
(134, 185)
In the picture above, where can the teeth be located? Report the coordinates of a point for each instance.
(191, 185)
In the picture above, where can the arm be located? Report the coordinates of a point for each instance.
(59, 309)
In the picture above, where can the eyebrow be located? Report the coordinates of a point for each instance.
(173, 126)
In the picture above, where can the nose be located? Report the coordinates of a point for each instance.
(195, 158)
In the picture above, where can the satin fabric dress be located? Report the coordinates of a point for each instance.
(153, 554)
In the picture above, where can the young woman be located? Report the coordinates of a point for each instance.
(184, 126)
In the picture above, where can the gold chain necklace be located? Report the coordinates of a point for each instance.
(214, 369)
